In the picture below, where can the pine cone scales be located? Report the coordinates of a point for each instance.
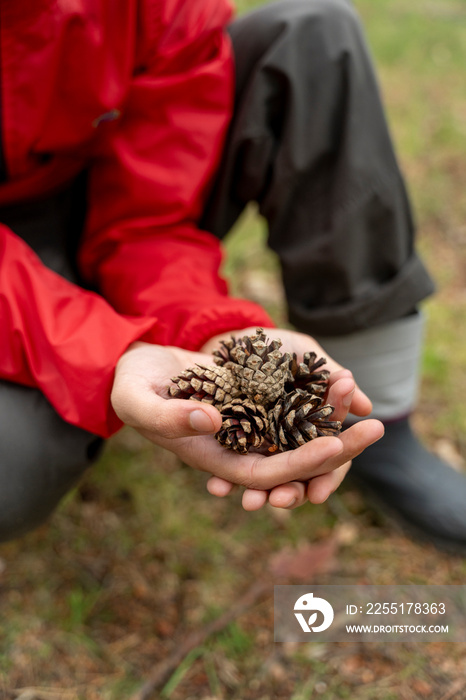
(305, 376)
(214, 385)
(263, 394)
(298, 418)
(260, 368)
(245, 425)
(223, 354)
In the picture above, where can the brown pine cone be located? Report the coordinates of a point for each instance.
(298, 418)
(305, 375)
(260, 368)
(244, 425)
(214, 385)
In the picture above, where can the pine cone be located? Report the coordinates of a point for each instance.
(260, 368)
(214, 385)
(298, 418)
(305, 375)
(244, 425)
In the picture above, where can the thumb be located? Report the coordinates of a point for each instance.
(176, 418)
(167, 418)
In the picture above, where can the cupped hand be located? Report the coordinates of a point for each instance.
(140, 399)
(344, 395)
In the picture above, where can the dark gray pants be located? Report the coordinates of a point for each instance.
(309, 143)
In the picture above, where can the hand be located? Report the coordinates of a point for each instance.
(140, 399)
(343, 394)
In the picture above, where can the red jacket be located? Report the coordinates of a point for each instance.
(140, 92)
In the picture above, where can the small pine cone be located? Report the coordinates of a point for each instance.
(299, 418)
(244, 425)
(260, 368)
(214, 385)
(305, 374)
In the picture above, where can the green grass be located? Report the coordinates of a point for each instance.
(141, 555)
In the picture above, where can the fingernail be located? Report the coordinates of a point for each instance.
(201, 422)
(291, 503)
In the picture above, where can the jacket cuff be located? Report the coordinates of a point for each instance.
(228, 314)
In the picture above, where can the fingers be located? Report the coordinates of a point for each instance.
(259, 472)
(296, 465)
(320, 488)
(254, 499)
(146, 411)
(175, 419)
(326, 479)
(291, 495)
(296, 493)
(355, 439)
(340, 396)
(219, 487)
(186, 428)
(317, 490)
(315, 458)
(263, 473)
(360, 404)
(288, 496)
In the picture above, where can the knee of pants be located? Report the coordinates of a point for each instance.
(331, 15)
(331, 25)
(41, 458)
(333, 12)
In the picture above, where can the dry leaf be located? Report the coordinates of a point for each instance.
(306, 562)
(347, 533)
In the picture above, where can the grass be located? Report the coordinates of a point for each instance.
(140, 556)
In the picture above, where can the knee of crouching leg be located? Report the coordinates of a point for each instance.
(33, 480)
(334, 12)
(24, 505)
(326, 25)
(17, 520)
(41, 458)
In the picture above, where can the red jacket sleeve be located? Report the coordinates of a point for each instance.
(59, 338)
(149, 181)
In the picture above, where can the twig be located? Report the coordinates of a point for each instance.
(163, 669)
